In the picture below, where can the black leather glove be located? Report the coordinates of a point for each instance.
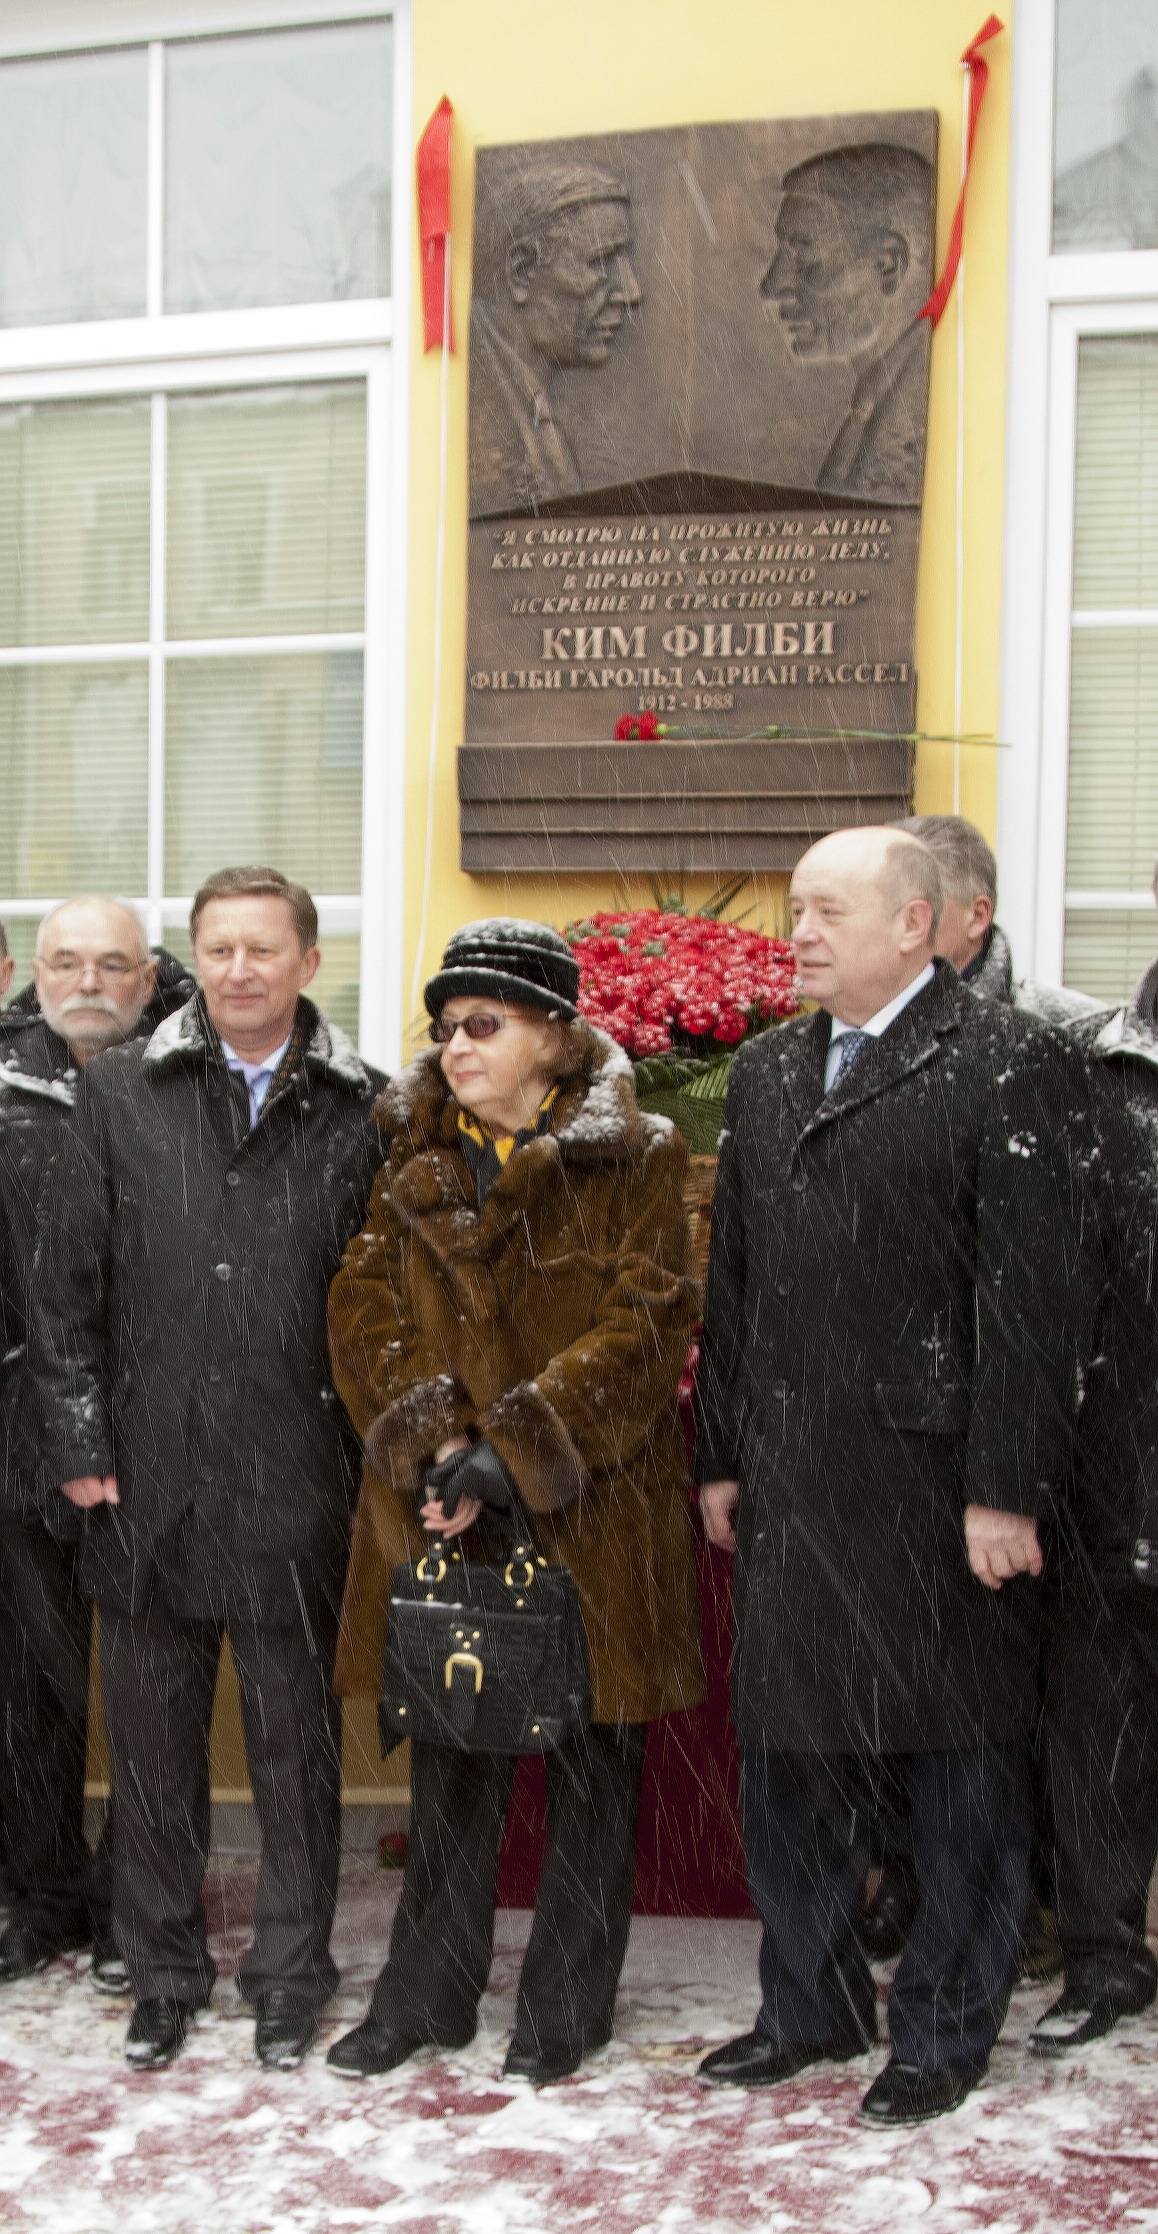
(477, 1472)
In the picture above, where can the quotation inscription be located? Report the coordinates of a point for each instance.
(786, 620)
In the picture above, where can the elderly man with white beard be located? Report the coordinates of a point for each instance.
(94, 980)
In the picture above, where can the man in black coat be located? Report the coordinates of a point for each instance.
(199, 1212)
(95, 984)
(1099, 1724)
(897, 1313)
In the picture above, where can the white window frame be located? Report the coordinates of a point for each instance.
(1054, 303)
(366, 340)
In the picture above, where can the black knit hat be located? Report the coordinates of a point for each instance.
(506, 959)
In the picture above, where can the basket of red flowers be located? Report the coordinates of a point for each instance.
(680, 991)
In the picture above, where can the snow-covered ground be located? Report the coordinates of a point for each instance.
(632, 2145)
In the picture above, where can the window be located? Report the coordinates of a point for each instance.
(278, 168)
(1106, 125)
(141, 757)
(188, 530)
(273, 183)
(1112, 821)
(1078, 816)
(73, 132)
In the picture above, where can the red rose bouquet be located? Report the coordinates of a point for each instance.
(680, 992)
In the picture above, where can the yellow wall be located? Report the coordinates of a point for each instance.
(530, 69)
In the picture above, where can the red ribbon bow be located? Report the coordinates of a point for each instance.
(978, 69)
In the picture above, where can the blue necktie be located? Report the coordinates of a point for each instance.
(852, 1045)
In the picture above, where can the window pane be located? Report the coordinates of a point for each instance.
(1106, 130)
(1106, 954)
(1113, 775)
(73, 773)
(278, 162)
(264, 763)
(267, 510)
(21, 931)
(72, 187)
(1116, 491)
(74, 522)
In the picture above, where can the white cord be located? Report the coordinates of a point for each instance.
(436, 681)
(959, 616)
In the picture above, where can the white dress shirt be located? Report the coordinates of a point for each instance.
(257, 1076)
(876, 1024)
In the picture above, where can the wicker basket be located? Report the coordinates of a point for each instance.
(699, 1190)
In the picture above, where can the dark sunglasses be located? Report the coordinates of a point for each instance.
(478, 1026)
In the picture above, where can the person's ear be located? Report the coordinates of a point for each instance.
(7, 973)
(149, 980)
(522, 263)
(916, 925)
(980, 915)
(892, 261)
(311, 964)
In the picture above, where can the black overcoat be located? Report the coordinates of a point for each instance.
(899, 1303)
(38, 1080)
(1114, 1501)
(179, 1320)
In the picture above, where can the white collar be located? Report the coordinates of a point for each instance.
(889, 1013)
(250, 1071)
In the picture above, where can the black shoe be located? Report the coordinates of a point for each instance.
(286, 2028)
(24, 1950)
(371, 2049)
(156, 2032)
(1077, 2017)
(1041, 1956)
(542, 2066)
(107, 1970)
(755, 2061)
(883, 1928)
(904, 2094)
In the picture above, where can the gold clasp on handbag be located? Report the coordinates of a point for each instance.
(464, 1660)
(528, 1567)
(423, 1570)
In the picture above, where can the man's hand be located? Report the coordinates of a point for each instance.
(1001, 1545)
(91, 1489)
(718, 1502)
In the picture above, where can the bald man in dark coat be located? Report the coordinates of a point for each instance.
(898, 1309)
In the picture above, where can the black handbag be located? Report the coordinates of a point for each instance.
(485, 1658)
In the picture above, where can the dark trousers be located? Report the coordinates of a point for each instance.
(54, 1885)
(441, 1945)
(1100, 1743)
(159, 1677)
(807, 1830)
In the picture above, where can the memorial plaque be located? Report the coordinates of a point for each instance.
(698, 394)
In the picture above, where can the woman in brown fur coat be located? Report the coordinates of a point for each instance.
(513, 1318)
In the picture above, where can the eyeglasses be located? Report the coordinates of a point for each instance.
(68, 966)
(481, 1025)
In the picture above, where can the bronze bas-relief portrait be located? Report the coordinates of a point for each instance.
(849, 277)
(713, 313)
(553, 281)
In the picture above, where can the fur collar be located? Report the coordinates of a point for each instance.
(993, 981)
(184, 1034)
(1126, 1035)
(597, 1113)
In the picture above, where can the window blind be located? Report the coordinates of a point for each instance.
(1112, 801)
(74, 522)
(267, 511)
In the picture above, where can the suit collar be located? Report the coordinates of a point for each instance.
(912, 1040)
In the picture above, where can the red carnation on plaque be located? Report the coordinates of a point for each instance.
(642, 727)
